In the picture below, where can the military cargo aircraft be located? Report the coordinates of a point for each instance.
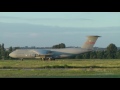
(52, 54)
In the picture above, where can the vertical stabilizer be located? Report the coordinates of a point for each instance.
(90, 42)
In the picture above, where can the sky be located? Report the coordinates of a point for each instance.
(45, 29)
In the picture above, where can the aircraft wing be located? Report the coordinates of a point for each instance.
(44, 52)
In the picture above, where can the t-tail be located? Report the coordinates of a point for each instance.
(90, 42)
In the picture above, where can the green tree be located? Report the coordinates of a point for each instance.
(111, 51)
(62, 45)
(91, 55)
(6, 55)
(105, 54)
(2, 51)
(99, 54)
(86, 55)
(10, 49)
(94, 55)
(80, 56)
(15, 48)
(118, 54)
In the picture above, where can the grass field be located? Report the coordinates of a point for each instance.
(63, 68)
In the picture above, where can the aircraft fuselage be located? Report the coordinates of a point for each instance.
(39, 53)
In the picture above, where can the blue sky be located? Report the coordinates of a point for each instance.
(44, 29)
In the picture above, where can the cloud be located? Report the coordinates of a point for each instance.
(10, 17)
(12, 34)
(45, 19)
(33, 34)
(61, 22)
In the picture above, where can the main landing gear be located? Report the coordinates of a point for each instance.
(48, 58)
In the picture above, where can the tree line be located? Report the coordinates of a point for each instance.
(4, 54)
(61, 45)
(111, 52)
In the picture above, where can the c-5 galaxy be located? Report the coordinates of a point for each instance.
(52, 54)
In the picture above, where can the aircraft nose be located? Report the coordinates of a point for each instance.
(12, 55)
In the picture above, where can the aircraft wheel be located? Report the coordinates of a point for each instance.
(49, 59)
(43, 58)
(22, 59)
(53, 59)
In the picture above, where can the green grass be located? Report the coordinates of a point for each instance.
(65, 68)
(62, 73)
(72, 63)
